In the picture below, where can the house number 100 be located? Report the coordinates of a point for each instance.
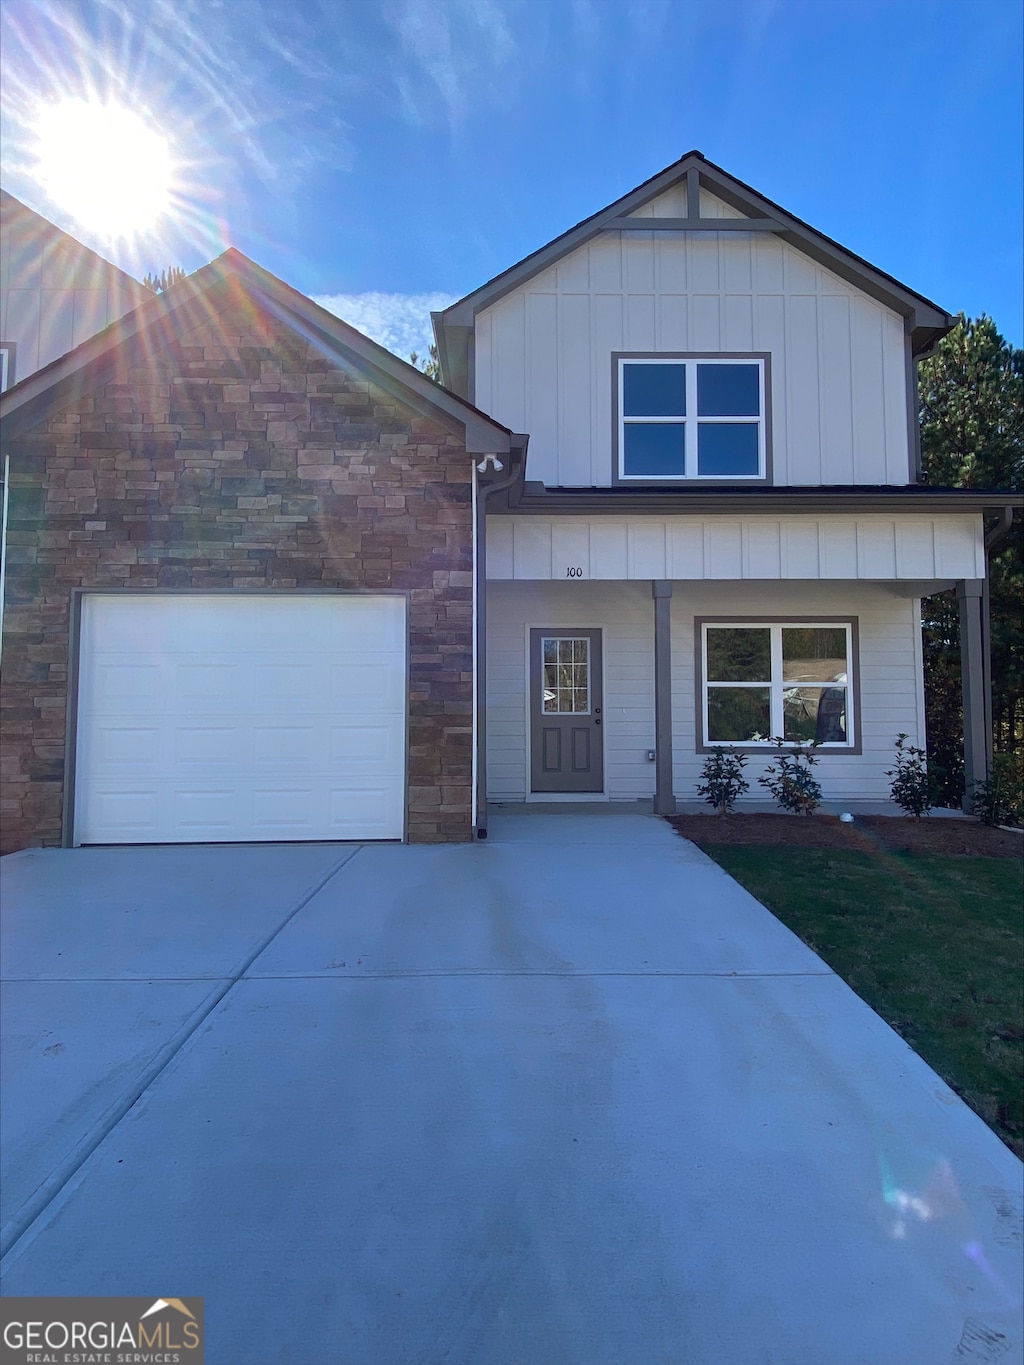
(574, 572)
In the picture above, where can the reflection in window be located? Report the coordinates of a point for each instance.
(764, 681)
(566, 665)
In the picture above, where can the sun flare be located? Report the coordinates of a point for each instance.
(105, 165)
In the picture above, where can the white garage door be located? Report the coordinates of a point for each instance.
(219, 718)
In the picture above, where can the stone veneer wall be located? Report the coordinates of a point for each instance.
(237, 457)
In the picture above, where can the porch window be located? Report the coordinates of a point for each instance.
(693, 417)
(763, 680)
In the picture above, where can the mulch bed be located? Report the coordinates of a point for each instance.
(949, 837)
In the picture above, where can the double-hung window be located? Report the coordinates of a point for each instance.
(763, 680)
(691, 417)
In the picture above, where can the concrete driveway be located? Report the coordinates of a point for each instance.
(568, 1097)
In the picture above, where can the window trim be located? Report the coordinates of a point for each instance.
(763, 358)
(782, 621)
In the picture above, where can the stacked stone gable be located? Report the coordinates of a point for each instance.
(237, 457)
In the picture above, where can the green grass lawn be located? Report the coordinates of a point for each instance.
(933, 944)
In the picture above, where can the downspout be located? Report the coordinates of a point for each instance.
(998, 533)
(483, 491)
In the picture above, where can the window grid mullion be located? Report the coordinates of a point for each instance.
(778, 706)
(750, 421)
(689, 436)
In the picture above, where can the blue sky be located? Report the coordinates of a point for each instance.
(393, 154)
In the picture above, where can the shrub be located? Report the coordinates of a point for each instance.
(912, 788)
(723, 782)
(1000, 799)
(790, 780)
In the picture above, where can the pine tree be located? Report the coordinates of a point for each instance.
(431, 367)
(972, 436)
(162, 282)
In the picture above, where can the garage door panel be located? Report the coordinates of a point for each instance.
(126, 687)
(214, 810)
(361, 628)
(205, 744)
(286, 744)
(123, 814)
(240, 742)
(281, 808)
(119, 746)
(373, 810)
(375, 681)
(300, 685)
(380, 745)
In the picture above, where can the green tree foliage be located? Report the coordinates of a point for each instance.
(972, 436)
(430, 366)
(162, 282)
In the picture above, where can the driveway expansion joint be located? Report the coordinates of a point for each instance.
(417, 972)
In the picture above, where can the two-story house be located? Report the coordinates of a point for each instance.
(719, 535)
(266, 581)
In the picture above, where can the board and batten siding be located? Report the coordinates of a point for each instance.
(939, 548)
(838, 358)
(889, 666)
(54, 292)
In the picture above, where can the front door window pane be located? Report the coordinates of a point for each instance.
(742, 654)
(736, 714)
(566, 675)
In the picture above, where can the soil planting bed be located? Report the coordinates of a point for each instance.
(953, 838)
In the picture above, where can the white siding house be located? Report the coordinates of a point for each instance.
(718, 535)
(839, 404)
(54, 292)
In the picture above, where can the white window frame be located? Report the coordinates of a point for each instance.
(6, 364)
(588, 663)
(692, 420)
(777, 688)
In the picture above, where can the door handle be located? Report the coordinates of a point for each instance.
(597, 720)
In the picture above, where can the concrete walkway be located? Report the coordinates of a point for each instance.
(566, 1097)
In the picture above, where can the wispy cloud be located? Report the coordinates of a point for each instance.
(452, 56)
(401, 322)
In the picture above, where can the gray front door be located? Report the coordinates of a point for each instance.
(567, 754)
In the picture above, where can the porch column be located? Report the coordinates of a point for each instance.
(664, 801)
(972, 674)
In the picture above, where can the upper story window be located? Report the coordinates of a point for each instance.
(692, 417)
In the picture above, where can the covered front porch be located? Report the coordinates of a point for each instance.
(610, 677)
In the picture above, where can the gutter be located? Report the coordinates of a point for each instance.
(538, 500)
(483, 492)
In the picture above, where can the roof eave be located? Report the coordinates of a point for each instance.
(538, 500)
(26, 404)
(925, 319)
